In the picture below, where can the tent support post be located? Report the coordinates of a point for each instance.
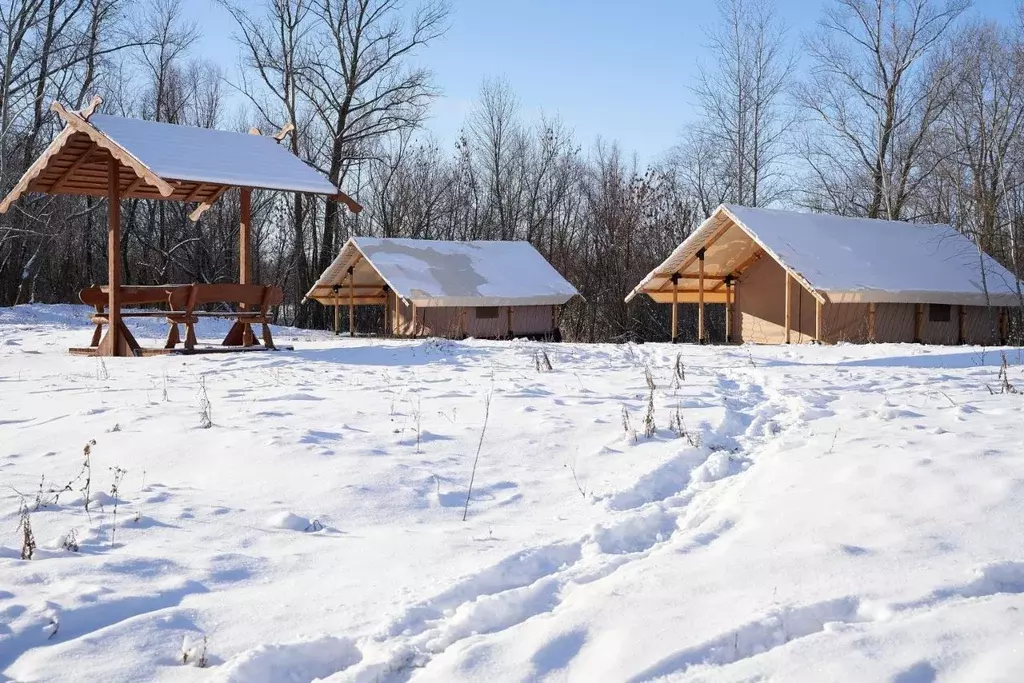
(1002, 325)
(789, 305)
(738, 333)
(961, 325)
(872, 312)
(675, 308)
(728, 309)
(817, 321)
(351, 302)
(510, 333)
(918, 323)
(700, 298)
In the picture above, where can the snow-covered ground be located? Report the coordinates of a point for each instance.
(848, 513)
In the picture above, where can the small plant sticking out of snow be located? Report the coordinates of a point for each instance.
(417, 416)
(28, 539)
(576, 480)
(115, 489)
(541, 361)
(479, 445)
(649, 427)
(102, 374)
(627, 426)
(679, 370)
(205, 409)
(1004, 379)
(194, 652)
(166, 399)
(86, 473)
(69, 541)
(678, 425)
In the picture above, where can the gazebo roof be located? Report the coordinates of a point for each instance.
(164, 161)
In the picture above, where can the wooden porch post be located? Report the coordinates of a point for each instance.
(728, 309)
(675, 307)
(737, 308)
(337, 311)
(872, 313)
(961, 324)
(112, 344)
(351, 301)
(918, 323)
(1003, 319)
(789, 306)
(817, 321)
(511, 332)
(700, 298)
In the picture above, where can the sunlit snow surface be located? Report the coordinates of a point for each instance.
(848, 513)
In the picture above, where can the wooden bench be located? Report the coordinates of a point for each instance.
(182, 301)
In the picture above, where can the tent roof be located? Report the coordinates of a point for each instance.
(844, 259)
(442, 273)
(164, 161)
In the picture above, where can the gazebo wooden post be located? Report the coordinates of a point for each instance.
(700, 298)
(817, 320)
(112, 343)
(351, 301)
(245, 254)
(919, 324)
(872, 314)
(789, 306)
(675, 308)
(961, 335)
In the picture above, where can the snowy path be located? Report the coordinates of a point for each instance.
(838, 513)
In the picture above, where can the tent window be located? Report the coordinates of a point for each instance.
(939, 313)
(487, 312)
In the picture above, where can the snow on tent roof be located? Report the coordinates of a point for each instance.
(212, 156)
(862, 259)
(443, 273)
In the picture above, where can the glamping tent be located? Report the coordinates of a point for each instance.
(446, 289)
(792, 277)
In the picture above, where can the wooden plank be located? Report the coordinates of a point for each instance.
(728, 312)
(789, 306)
(511, 329)
(1003, 325)
(737, 271)
(351, 301)
(337, 313)
(244, 236)
(37, 167)
(714, 238)
(738, 309)
(918, 323)
(700, 298)
(961, 324)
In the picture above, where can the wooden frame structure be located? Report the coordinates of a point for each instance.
(86, 159)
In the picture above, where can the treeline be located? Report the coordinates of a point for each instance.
(902, 109)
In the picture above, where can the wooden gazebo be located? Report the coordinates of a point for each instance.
(123, 158)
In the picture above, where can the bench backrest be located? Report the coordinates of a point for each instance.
(134, 295)
(181, 297)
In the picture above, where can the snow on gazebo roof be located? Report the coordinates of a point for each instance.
(444, 273)
(846, 259)
(164, 161)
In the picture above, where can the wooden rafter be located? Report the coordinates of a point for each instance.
(75, 165)
(202, 208)
(78, 124)
(737, 271)
(35, 169)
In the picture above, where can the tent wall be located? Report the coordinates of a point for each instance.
(762, 309)
(410, 321)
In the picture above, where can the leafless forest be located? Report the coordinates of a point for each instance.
(904, 109)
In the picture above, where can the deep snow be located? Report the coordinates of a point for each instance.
(848, 513)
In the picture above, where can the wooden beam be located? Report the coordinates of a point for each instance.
(37, 167)
(736, 272)
(351, 301)
(700, 297)
(134, 185)
(872, 315)
(75, 165)
(728, 311)
(337, 312)
(714, 238)
(789, 306)
(112, 343)
(1003, 325)
(511, 330)
(737, 309)
(817, 321)
(675, 308)
(194, 194)
(918, 323)
(202, 208)
(961, 324)
(244, 235)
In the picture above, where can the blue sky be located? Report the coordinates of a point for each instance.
(615, 69)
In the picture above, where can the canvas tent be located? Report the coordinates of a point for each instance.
(449, 289)
(785, 277)
(122, 158)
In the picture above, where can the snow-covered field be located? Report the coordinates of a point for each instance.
(832, 514)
